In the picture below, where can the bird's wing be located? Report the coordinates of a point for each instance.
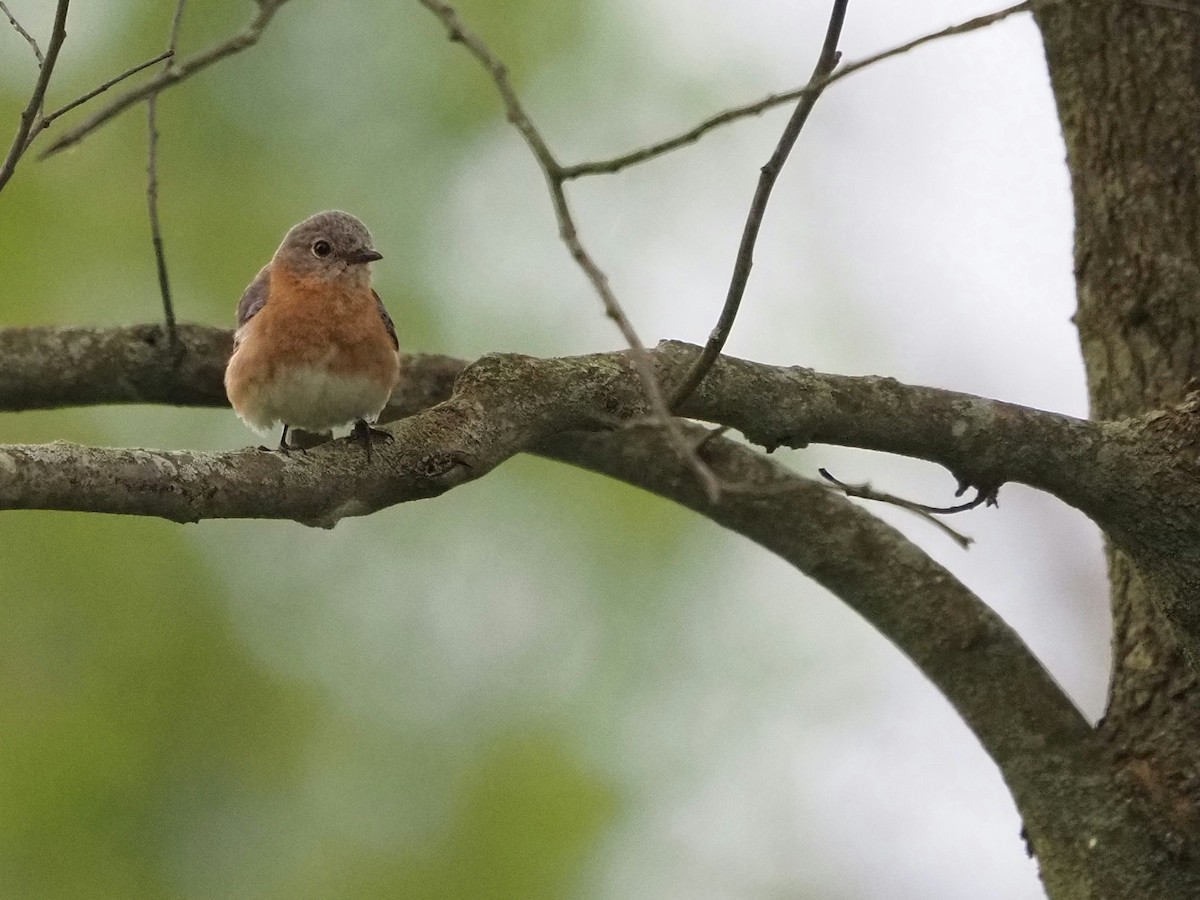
(255, 296)
(387, 320)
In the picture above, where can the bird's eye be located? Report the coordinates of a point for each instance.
(321, 249)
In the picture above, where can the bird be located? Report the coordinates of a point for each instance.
(314, 348)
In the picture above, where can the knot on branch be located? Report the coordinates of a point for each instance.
(450, 462)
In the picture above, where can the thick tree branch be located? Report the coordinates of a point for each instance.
(912, 600)
(499, 406)
(1076, 819)
(1139, 479)
(982, 442)
(50, 368)
(317, 487)
(45, 368)
(468, 419)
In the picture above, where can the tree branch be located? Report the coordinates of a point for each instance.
(1050, 759)
(948, 632)
(47, 368)
(34, 120)
(1100, 468)
(549, 165)
(501, 405)
(36, 100)
(983, 442)
(51, 368)
(29, 39)
(101, 88)
(1019, 714)
(928, 513)
(1137, 478)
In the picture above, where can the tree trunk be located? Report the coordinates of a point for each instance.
(1126, 78)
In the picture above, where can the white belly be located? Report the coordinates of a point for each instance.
(313, 399)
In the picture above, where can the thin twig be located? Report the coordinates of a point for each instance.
(96, 91)
(552, 170)
(44, 122)
(244, 39)
(21, 140)
(758, 208)
(37, 51)
(643, 154)
(160, 257)
(864, 491)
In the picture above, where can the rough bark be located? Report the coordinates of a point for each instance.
(1126, 78)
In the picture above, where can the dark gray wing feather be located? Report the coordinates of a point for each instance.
(387, 321)
(255, 297)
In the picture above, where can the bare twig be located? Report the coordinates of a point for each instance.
(758, 208)
(644, 154)
(160, 258)
(552, 170)
(21, 140)
(37, 51)
(173, 40)
(96, 91)
(244, 39)
(44, 121)
(864, 491)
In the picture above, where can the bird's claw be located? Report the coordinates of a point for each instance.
(366, 435)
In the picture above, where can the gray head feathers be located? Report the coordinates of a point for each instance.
(327, 245)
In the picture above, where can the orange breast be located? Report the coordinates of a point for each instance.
(307, 323)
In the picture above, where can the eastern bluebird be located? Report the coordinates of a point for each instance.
(314, 348)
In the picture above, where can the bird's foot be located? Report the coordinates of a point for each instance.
(366, 435)
(283, 447)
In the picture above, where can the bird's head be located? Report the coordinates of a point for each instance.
(330, 246)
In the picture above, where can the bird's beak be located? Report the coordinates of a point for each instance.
(364, 256)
